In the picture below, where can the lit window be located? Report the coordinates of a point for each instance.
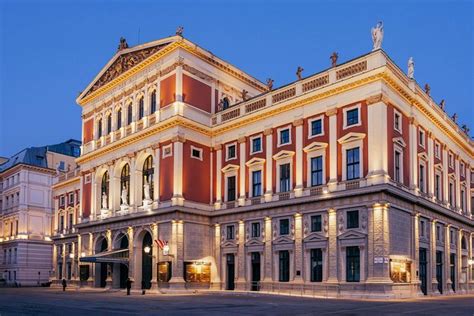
(400, 271)
(285, 136)
(352, 117)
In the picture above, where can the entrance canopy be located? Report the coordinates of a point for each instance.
(115, 256)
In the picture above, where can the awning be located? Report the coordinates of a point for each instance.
(115, 256)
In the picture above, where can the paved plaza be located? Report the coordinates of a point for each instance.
(41, 301)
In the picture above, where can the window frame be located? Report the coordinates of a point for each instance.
(310, 126)
(287, 230)
(227, 188)
(317, 171)
(253, 226)
(422, 176)
(421, 137)
(279, 131)
(348, 109)
(165, 148)
(400, 121)
(197, 149)
(252, 139)
(230, 232)
(351, 224)
(227, 147)
(353, 164)
(280, 179)
(312, 228)
(253, 184)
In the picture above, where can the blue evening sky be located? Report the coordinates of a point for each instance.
(50, 50)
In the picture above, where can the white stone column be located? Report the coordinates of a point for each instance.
(413, 154)
(434, 282)
(416, 251)
(218, 151)
(446, 267)
(430, 165)
(240, 282)
(298, 257)
(458, 182)
(179, 80)
(299, 157)
(332, 276)
(268, 256)
(133, 183)
(242, 177)
(268, 164)
(81, 189)
(445, 175)
(377, 142)
(156, 174)
(332, 184)
(177, 248)
(94, 201)
(216, 277)
(55, 262)
(154, 264)
(131, 256)
(177, 198)
(468, 191)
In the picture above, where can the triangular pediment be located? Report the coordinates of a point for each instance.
(315, 237)
(254, 242)
(315, 146)
(229, 243)
(283, 240)
(283, 154)
(399, 141)
(350, 137)
(230, 167)
(124, 60)
(255, 161)
(352, 234)
(423, 156)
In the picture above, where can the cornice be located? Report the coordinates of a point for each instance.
(66, 182)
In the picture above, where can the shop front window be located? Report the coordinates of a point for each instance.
(400, 271)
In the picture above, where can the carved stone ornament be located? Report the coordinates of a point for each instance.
(341, 223)
(124, 63)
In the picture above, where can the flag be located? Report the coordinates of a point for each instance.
(161, 243)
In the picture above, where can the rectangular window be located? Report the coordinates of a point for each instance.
(316, 223)
(316, 127)
(397, 166)
(256, 145)
(71, 198)
(231, 188)
(284, 226)
(62, 200)
(421, 138)
(352, 117)
(422, 228)
(285, 136)
(61, 222)
(284, 266)
(141, 109)
(438, 233)
(397, 122)
(317, 171)
(71, 217)
(129, 114)
(153, 102)
(451, 160)
(230, 232)
(256, 183)
(196, 153)
(422, 178)
(231, 152)
(352, 163)
(316, 265)
(285, 177)
(437, 186)
(255, 230)
(352, 264)
(437, 151)
(451, 194)
(462, 199)
(353, 219)
(461, 169)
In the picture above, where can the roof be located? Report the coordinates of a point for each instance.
(36, 156)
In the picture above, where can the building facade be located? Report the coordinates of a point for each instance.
(26, 211)
(351, 181)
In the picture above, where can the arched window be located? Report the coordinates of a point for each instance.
(153, 102)
(104, 186)
(129, 114)
(141, 109)
(99, 128)
(119, 118)
(148, 176)
(225, 103)
(109, 123)
(125, 181)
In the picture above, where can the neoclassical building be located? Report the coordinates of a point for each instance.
(194, 174)
(26, 211)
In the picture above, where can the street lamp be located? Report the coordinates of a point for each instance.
(147, 249)
(71, 255)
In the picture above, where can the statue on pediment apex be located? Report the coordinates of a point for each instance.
(123, 43)
(377, 36)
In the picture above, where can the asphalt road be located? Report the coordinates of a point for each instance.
(43, 301)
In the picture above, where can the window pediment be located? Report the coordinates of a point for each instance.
(283, 240)
(423, 156)
(283, 154)
(351, 234)
(439, 166)
(315, 146)
(255, 162)
(315, 236)
(351, 137)
(230, 168)
(399, 141)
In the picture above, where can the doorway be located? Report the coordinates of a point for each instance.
(439, 270)
(230, 260)
(423, 274)
(452, 269)
(255, 260)
(147, 261)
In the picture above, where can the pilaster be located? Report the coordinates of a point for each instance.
(377, 142)
(413, 154)
(434, 282)
(379, 243)
(215, 278)
(177, 280)
(298, 248)
(332, 183)
(268, 251)
(155, 250)
(177, 198)
(268, 164)
(332, 247)
(242, 169)
(240, 282)
(445, 175)
(218, 151)
(299, 157)
(430, 165)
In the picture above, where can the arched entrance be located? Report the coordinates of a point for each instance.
(101, 268)
(147, 255)
(120, 270)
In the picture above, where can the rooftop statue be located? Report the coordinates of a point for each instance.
(465, 129)
(455, 117)
(334, 58)
(442, 104)
(123, 44)
(411, 68)
(179, 31)
(377, 36)
(270, 84)
(244, 94)
(427, 89)
(299, 72)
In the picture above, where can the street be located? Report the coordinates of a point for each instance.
(52, 301)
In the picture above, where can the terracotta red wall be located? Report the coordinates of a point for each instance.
(86, 198)
(88, 131)
(356, 129)
(168, 91)
(196, 174)
(392, 133)
(197, 93)
(320, 139)
(166, 175)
